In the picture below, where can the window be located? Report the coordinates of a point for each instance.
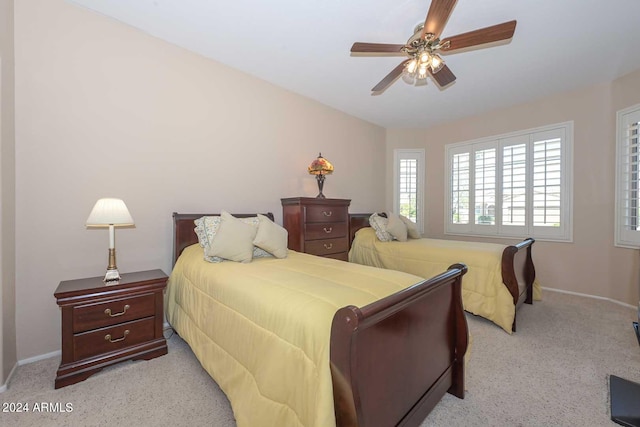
(513, 185)
(627, 178)
(409, 184)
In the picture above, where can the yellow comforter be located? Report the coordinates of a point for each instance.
(483, 292)
(262, 329)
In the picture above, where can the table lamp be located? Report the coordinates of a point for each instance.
(110, 213)
(320, 167)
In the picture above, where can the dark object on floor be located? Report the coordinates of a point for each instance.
(625, 401)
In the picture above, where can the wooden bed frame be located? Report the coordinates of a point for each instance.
(518, 271)
(394, 359)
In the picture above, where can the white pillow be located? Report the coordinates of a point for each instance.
(396, 227)
(379, 224)
(412, 228)
(206, 228)
(233, 240)
(271, 237)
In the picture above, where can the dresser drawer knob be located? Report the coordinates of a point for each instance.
(328, 230)
(108, 337)
(325, 213)
(108, 311)
(329, 246)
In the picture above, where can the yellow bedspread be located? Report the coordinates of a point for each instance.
(262, 329)
(483, 292)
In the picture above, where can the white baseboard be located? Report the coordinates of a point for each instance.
(39, 357)
(5, 386)
(590, 296)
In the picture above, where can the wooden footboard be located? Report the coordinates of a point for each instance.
(394, 359)
(518, 271)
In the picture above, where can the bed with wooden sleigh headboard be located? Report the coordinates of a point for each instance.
(500, 278)
(260, 328)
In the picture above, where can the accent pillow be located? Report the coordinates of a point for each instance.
(412, 228)
(396, 227)
(379, 224)
(233, 239)
(206, 228)
(271, 237)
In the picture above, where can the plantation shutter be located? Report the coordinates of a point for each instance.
(512, 185)
(408, 191)
(485, 186)
(515, 188)
(549, 213)
(408, 184)
(628, 179)
(460, 187)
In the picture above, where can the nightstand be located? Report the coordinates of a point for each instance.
(104, 324)
(317, 226)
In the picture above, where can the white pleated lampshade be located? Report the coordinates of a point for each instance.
(109, 211)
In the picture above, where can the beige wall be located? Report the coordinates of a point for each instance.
(105, 110)
(591, 264)
(7, 195)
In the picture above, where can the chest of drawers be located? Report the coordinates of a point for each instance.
(103, 324)
(317, 226)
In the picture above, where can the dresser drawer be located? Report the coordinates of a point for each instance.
(113, 338)
(326, 214)
(96, 315)
(328, 246)
(331, 230)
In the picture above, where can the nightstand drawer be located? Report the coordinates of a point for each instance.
(328, 246)
(326, 213)
(113, 338)
(97, 315)
(325, 231)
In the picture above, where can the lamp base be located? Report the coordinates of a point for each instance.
(112, 277)
(320, 179)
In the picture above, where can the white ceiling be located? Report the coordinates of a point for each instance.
(303, 46)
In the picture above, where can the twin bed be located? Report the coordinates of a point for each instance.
(500, 278)
(312, 341)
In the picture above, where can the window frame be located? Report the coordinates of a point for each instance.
(417, 154)
(624, 118)
(563, 233)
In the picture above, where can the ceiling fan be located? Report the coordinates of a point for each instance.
(424, 46)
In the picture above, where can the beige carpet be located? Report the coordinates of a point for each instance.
(552, 372)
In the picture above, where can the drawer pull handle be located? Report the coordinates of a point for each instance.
(108, 311)
(328, 230)
(329, 246)
(108, 337)
(325, 213)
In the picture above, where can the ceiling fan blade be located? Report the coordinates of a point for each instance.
(444, 76)
(376, 48)
(437, 17)
(491, 34)
(389, 78)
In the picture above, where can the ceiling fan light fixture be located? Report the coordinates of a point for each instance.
(422, 71)
(412, 66)
(409, 78)
(436, 63)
